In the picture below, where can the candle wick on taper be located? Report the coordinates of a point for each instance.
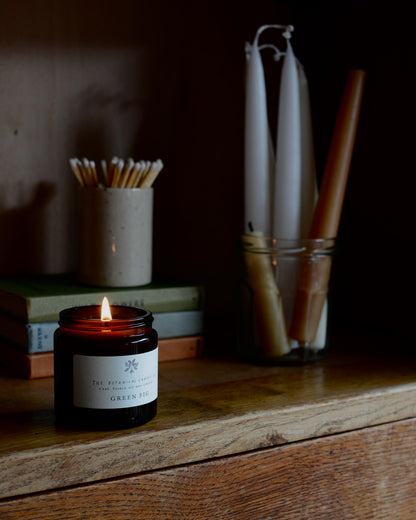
(277, 53)
(288, 29)
(288, 32)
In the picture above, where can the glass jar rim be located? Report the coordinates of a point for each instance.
(88, 317)
(257, 243)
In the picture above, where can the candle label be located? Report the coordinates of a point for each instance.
(115, 381)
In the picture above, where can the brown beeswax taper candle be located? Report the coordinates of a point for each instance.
(313, 281)
(267, 301)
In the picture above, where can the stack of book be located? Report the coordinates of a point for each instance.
(30, 306)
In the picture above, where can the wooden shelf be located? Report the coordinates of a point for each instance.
(209, 410)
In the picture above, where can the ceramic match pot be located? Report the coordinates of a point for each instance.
(115, 228)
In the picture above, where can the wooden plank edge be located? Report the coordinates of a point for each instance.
(67, 465)
(367, 473)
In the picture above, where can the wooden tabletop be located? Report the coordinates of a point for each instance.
(207, 409)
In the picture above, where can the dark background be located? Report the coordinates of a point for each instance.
(187, 99)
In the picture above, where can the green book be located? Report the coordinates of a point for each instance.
(39, 298)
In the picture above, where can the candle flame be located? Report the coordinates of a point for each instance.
(105, 310)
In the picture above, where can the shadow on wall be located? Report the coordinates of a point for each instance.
(22, 231)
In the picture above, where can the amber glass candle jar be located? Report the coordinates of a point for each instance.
(106, 370)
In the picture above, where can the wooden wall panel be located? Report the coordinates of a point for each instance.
(72, 85)
(364, 474)
(166, 79)
(131, 78)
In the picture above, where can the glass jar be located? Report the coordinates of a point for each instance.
(106, 372)
(284, 299)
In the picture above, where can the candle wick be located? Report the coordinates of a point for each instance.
(247, 49)
(277, 52)
(288, 29)
(288, 32)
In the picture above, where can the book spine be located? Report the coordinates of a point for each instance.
(171, 349)
(35, 366)
(164, 299)
(37, 300)
(178, 324)
(40, 337)
(27, 366)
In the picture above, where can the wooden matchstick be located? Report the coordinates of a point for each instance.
(105, 171)
(113, 164)
(150, 177)
(93, 171)
(124, 178)
(145, 170)
(82, 171)
(76, 170)
(88, 175)
(135, 175)
(117, 172)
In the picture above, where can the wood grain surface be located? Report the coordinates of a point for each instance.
(207, 409)
(365, 474)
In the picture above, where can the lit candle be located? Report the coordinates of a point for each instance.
(106, 367)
